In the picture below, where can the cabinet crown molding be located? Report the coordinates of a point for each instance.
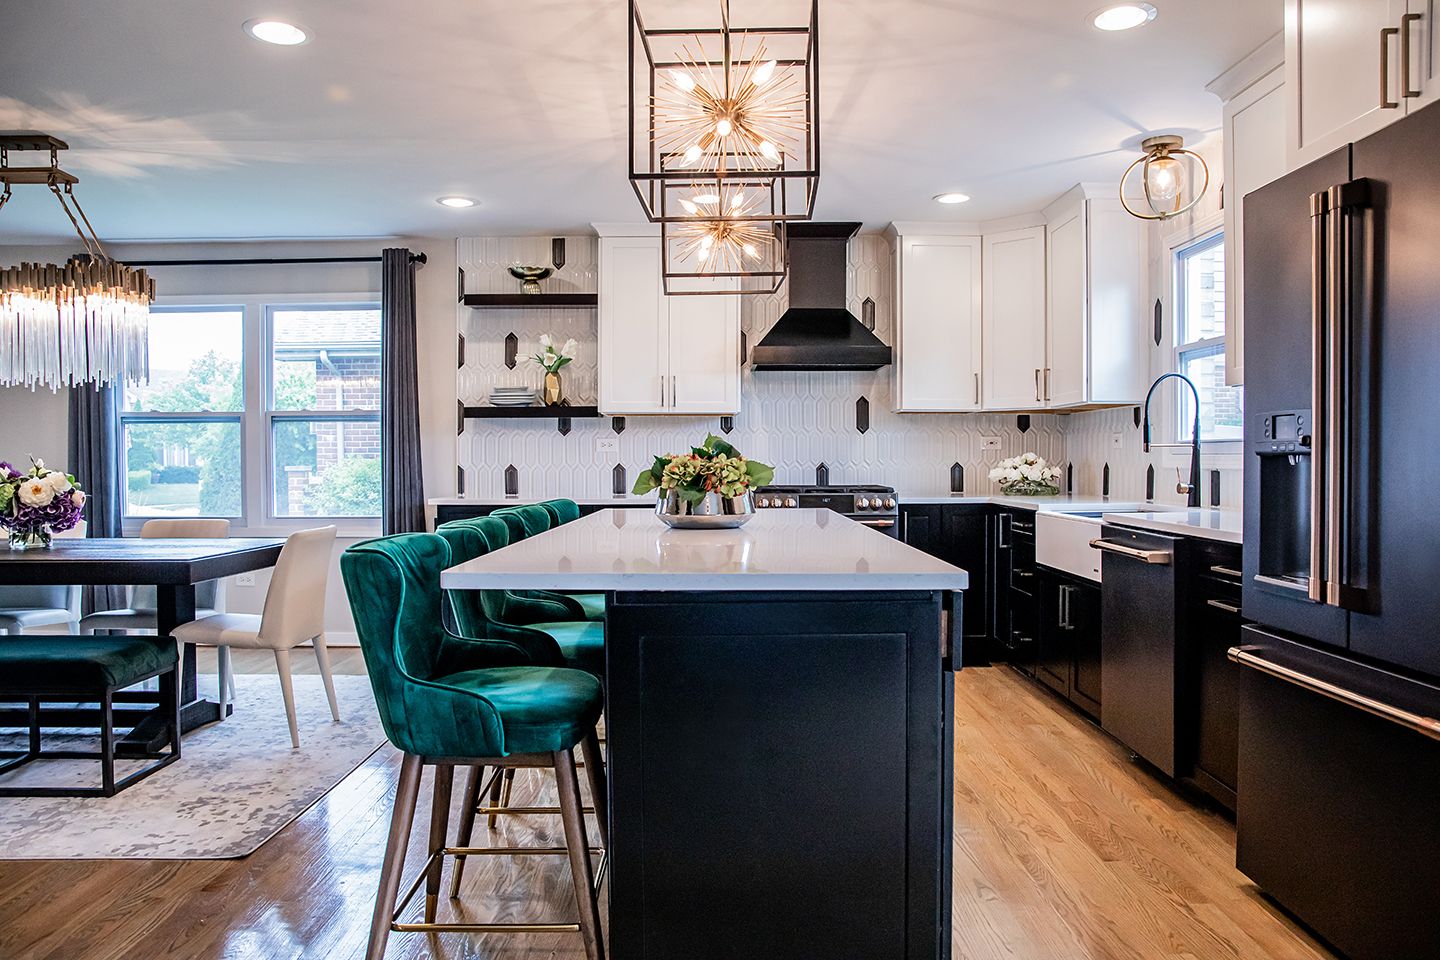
(1254, 66)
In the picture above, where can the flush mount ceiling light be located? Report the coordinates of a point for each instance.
(1163, 178)
(87, 320)
(724, 144)
(277, 32)
(458, 203)
(951, 198)
(1123, 16)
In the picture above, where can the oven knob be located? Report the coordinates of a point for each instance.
(763, 502)
(889, 503)
(791, 502)
(863, 503)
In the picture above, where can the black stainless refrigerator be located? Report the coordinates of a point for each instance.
(1338, 812)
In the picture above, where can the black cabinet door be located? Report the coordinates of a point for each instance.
(963, 535)
(920, 528)
(1217, 728)
(1082, 613)
(1055, 644)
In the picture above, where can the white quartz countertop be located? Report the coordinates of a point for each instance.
(1066, 503)
(1207, 523)
(781, 550)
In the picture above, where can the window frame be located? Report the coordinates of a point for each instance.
(271, 415)
(1219, 454)
(257, 498)
(128, 520)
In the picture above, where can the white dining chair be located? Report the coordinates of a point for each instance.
(139, 616)
(294, 613)
(41, 605)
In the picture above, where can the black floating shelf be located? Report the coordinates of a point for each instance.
(532, 299)
(531, 413)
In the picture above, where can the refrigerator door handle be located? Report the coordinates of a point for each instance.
(1319, 220)
(1249, 657)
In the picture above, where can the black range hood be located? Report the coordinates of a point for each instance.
(818, 332)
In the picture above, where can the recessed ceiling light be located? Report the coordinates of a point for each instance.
(277, 32)
(952, 198)
(456, 202)
(1123, 16)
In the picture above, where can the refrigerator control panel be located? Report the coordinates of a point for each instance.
(1284, 432)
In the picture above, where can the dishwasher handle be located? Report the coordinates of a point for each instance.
(1134, 553)
(1248, 657)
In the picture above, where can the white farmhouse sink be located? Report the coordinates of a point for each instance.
(1062, 542)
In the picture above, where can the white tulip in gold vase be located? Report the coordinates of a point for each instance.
(552, 359)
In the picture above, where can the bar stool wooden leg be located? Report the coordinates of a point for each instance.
(495, 789)
(406, 793)
(579, 850)
(595, 773)
(473, 781)
(439, 822)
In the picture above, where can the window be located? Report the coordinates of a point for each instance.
(323, 416)
(267, 413)
(1200, 342)
(181, 431)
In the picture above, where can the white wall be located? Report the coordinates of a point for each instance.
(36, 421)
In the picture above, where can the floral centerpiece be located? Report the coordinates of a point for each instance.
(711, 486)
(1027, 476)
(552, 359)
(38, 503)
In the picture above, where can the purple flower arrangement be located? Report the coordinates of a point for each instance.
(38, 503)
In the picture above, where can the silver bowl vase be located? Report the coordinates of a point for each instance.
(711, 512)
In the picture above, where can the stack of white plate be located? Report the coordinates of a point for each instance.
(512, 396)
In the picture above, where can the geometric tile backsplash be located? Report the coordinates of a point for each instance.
(794, 420)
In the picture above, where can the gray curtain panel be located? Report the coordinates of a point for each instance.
(402, 491)
(93, 456)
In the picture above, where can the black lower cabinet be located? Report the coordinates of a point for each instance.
(1068, 643)
(1210, 680)
(960, 534)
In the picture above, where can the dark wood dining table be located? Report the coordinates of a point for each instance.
(174, 567)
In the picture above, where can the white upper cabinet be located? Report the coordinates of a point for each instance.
(1253, 93)
(1013, 339)
(1343, 62)
(1096, 292)
(662, 354)
(938, 353)
(1424, 39)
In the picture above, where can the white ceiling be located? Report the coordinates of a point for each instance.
(183, 127)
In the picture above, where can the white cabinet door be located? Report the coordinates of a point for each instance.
(1342, 73)
(1424, 40)
(633, 320)
(938, 362)
(1068, 345)
(1254, 156)
(704, 356)
(1014, 320)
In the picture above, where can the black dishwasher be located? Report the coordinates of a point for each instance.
(1139, 649)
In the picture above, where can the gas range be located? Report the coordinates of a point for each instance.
(874, 506)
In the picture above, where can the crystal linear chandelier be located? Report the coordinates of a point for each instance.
(724, 145)
(86, 320)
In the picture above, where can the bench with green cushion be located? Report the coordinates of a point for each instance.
(40, 669)
(535, 518)
(524, 619)
(477, 701)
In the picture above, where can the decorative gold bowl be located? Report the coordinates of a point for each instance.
(530, 277)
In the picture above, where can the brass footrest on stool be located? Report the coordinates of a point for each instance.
(510, 927)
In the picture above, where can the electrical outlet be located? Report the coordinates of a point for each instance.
(989, 443)
(1117, 441)
(607, 444)
(245, 580)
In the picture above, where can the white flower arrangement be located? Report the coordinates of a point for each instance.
(552, 358)
(1027, 475)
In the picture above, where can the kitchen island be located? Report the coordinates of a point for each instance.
(778, 714)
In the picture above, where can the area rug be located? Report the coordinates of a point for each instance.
(237, 783)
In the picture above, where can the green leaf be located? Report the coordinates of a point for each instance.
(717, 445)
(644, 484)
(759, 473)
(7, 493)
(690, 494)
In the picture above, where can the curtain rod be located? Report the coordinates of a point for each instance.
(419, 258)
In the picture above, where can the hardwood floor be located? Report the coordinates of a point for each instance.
(1064, 850)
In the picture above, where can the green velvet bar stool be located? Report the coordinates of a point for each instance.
(446, 700)
(535, 518)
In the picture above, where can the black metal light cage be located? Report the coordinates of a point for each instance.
(684, 276)
(797, 174)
